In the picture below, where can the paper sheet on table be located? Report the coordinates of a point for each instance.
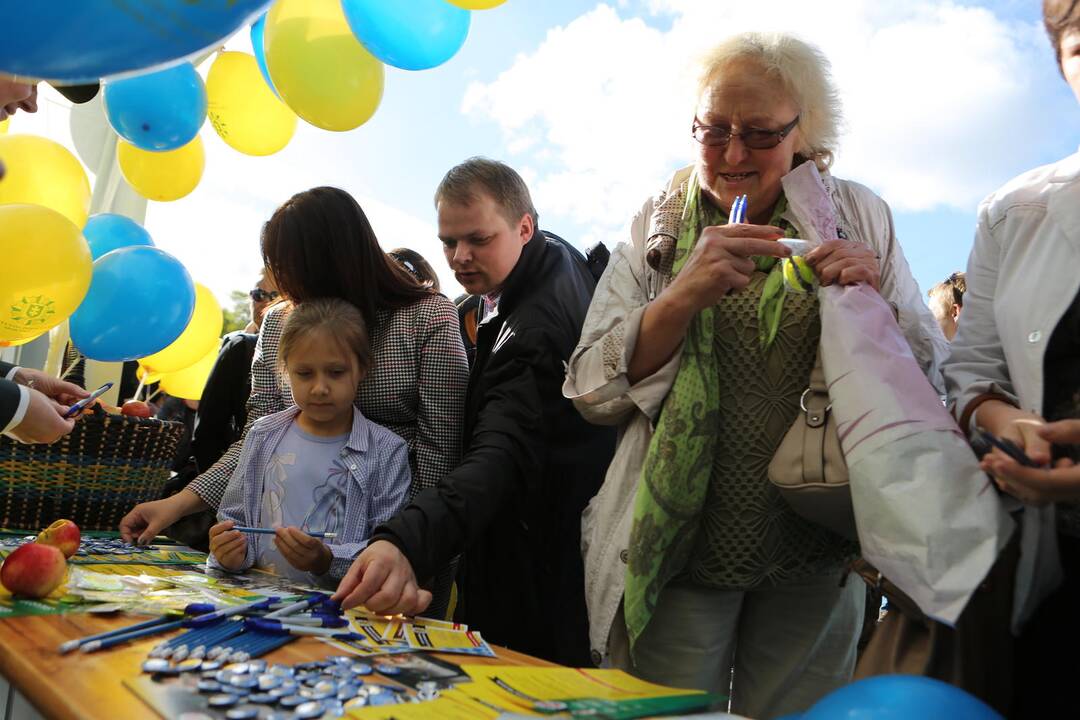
(520, 685)
(927, 517)
(449, 706)
(441, 639)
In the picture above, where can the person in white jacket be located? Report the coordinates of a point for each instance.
(1015, 365)
(691, 318)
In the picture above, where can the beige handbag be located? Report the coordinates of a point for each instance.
(809, 468)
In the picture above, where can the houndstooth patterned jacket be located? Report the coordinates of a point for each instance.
(416, 388)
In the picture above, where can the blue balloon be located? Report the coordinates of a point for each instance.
(900, 697)
(88, 40)
(106, 232)
(414, 35)
(257, 29)
(158, 111)
(140, 300)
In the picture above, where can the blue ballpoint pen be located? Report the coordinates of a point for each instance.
(271, 531)
(197, 621)
(276, 627)
(313, 599)
(194, 608)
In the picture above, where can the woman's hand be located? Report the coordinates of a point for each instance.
(1019, 426)
(228, 546)
(721, 263)
(147, 519)
(1039, 486)
(302, 551)
(842, 262)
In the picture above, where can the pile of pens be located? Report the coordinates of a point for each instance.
(230, 634)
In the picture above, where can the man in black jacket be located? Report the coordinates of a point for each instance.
(531, 463)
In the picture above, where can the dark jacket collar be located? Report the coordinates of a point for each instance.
(524, 274)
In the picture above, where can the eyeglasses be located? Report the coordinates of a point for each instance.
(720, 136)
(406, 264)
(260, 295)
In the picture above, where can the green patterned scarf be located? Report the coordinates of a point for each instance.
(675, 475)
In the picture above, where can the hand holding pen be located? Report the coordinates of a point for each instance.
(303, 551)
(721, 262)
(228, 545)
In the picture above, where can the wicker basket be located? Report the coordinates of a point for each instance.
(92, 476)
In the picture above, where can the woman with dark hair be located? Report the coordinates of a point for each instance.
(320, 244)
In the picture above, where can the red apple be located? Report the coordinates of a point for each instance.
(62, 534)
(33, 570)
(137, 408)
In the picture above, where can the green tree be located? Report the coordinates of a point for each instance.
(237, 317)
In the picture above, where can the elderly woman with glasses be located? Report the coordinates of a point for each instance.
(697, 572)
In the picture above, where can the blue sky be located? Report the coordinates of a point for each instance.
(944, 102)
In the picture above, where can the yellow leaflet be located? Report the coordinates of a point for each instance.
(444, 708)
(373, 632)
(490, 696)
(521, 683)
(435, 623)
(442, 640)
(393, 630)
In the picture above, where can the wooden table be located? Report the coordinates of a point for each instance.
(82, 685)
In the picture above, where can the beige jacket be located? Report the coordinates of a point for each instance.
(596, 376)
(1021, 277)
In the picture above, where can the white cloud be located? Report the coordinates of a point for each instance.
(938, 98)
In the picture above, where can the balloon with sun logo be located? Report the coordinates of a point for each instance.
(45, 274)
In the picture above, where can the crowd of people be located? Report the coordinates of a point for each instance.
(587, 456)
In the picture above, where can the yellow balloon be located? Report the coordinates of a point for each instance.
(16, 343)
(243, 109)
(321, 70)
(476, 4)
(45, 271)
(162, 176)
(146, 376)
(189, 382)
(4, 125)
(202, 334)
(42, 172)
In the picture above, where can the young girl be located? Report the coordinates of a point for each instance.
(319, 466)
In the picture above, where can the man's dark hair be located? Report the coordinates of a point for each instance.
(498, 180)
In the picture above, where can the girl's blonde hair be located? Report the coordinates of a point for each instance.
(342, 320)
(805, 74)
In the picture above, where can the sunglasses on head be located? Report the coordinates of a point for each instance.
(260, 295)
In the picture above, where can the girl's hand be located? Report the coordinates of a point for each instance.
(842, 262)
(303, 551)
(228, 546)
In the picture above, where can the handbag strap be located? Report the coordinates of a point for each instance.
(815, 406)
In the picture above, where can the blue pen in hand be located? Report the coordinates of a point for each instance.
(79, 406)
(271, 531)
